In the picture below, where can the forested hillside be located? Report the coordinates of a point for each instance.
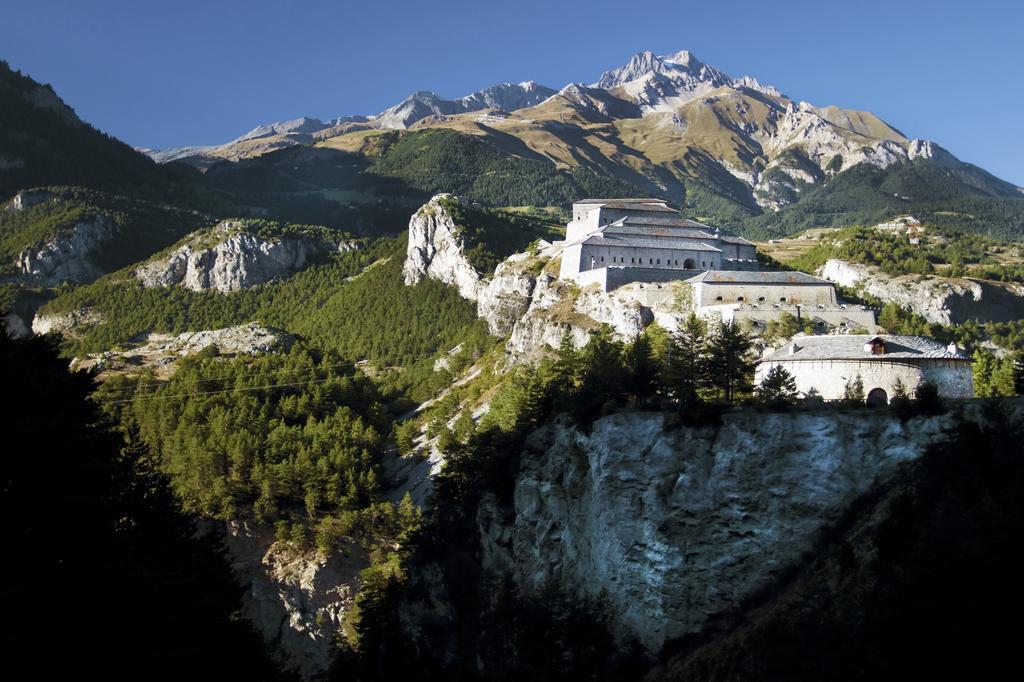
(43, 142)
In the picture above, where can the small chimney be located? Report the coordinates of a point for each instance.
(952, 348)
(793, 348)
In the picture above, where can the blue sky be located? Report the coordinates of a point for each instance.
(160, 74)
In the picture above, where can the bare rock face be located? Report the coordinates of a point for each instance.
(27, 198)
(671, 527)
(296, 601)
(519, 300)
(81, 318)
(940, 300)
(557, 307)
(237, 260)
(69, 256)
(161, 351)
(436, 249)
(14, 326)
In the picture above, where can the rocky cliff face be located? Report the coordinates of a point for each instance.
(69, 256)
(671, 527)
(160, 352)
(296, 601)
(67, 323)
(939, 300)
(436, 249)
(520, 300)
(235, 260)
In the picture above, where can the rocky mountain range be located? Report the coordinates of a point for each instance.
(667, 125)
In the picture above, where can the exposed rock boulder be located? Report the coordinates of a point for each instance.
(27, 198)
(436, 249)
(70, 255)
(297, 601)
(236, 259)
(68, 322)
(940, 300)
(162, 351)
(671, 527)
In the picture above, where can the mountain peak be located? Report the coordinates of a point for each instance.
(682, 58)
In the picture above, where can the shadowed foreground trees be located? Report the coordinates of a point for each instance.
(102, 574)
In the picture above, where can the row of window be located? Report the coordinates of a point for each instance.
(760, 299)
(687, 263)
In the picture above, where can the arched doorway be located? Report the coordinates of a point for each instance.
(877, 397)
(690, 264)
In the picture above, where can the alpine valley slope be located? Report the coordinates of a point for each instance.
(731, 149)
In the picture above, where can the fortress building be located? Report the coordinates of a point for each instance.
(822, 365)
(612, 242)
(757, 297)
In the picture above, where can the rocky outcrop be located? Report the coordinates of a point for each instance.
(436, 249)
(297, 601)
(520, 300)
(557, 307)
(160, 352)
(669, 527)
(27, 198)
(941, 300)
(236, 259)
(68, 256)
(14, 326)
(69, 322)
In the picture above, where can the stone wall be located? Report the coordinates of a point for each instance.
(708, 293)
(827, 378)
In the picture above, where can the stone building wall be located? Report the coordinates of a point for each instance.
(707, 293)
(827, 378)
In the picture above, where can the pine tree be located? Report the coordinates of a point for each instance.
(853, 392)
(641, 370)
(685, 366)
(778, 387)
(730, 367)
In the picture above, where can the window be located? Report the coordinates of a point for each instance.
(602, 259)
(760, 298)
(632, 260)
(739, 298)
(677, 261)
(718, 298)
(782, 299)
(659, 261)
(650, 261)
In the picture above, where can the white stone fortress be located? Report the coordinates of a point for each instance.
(631, 244)
(615, 241)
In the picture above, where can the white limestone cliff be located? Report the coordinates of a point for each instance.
(436, 249)
(68, 256)
(669, 527)
(67, 323)
(235, 260)
(940, 300)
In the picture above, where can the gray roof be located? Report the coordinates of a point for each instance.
(621, 201)
(675, 221)
(756, 277)
(655, 230)
(851, 347)
(640, 207)
(733, 239)
(637, 241)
